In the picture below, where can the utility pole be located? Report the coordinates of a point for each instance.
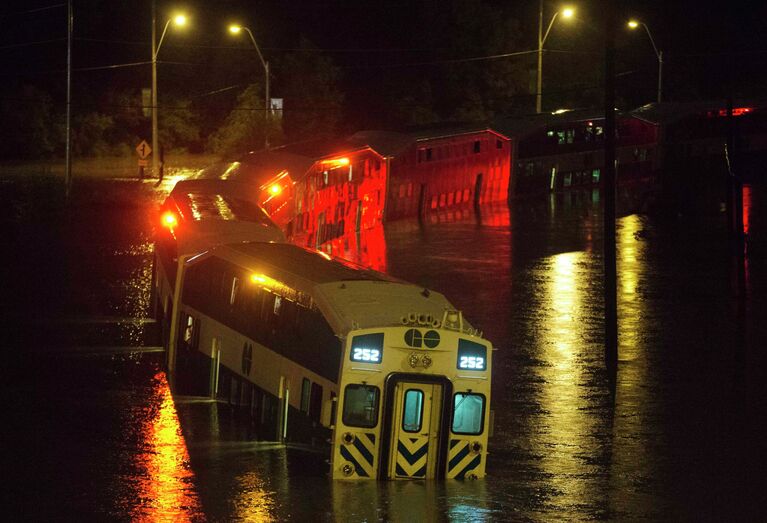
(68, 172)
(608, 196)
(155, 137)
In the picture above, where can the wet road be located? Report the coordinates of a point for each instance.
(95, 433)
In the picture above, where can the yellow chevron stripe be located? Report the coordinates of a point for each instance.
(412, 447)
(458, 448)
(362, 461)
(407, 467)
(461, 465)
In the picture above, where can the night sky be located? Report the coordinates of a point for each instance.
(710, 48)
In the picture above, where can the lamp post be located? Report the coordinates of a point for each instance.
(633, 24)
(179, 20)
(236, 29)
(567, 12)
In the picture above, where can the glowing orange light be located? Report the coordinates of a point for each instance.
(275, 189)
(169, 219)
(258, 278)
(336, 162)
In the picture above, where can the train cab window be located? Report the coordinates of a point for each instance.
(360, 406)
(412, 411)
(477, 146)
(468, 413)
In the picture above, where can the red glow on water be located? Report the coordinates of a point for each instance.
(746, 208)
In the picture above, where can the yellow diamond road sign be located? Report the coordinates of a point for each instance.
(143, 149)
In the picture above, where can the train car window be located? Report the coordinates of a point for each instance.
(235, 290)
(247, 358)
(360, 406)
(412, 411)
(471, 356)
(468, 413)
(191, 336)
(477, 146)
(315, 402)
(306, 390)
(333, 408)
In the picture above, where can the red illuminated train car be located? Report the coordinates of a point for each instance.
(435, 169)
(316, 192)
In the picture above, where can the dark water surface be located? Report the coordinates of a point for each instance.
(93, 432)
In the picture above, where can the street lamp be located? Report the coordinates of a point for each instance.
(633, 24)
(566, 12)
(236, 29)
(179, 20)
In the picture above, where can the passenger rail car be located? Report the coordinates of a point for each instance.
(321, 350)
(197, 215)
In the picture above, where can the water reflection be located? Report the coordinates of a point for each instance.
(632, 448)
(166, 490)
(565, 426)
(422, 501)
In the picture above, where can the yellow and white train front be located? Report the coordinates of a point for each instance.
(414, 402)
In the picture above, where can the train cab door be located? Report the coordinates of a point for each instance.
(416, 423)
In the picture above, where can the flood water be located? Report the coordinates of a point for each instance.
(92, 431)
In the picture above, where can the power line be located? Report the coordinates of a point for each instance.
(30, 11)
(27, 44)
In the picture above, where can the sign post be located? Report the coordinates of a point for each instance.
(143, 151)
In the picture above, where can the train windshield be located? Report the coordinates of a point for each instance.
(361, 406)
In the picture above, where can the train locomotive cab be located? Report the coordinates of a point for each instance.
(414, 401)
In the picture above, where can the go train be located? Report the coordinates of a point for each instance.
(319, 350)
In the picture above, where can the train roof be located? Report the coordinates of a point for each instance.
(672, 112)
(214, 212)
(349, 296)
(392, 144)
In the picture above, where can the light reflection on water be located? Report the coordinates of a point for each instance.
(166, 490)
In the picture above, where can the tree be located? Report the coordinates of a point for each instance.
(178, 126)
(244, 128)
(308, 83)
(32, 127)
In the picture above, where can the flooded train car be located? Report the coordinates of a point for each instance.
(197, 215)
(321, 350)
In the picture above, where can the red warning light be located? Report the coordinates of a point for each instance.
(169, 220)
